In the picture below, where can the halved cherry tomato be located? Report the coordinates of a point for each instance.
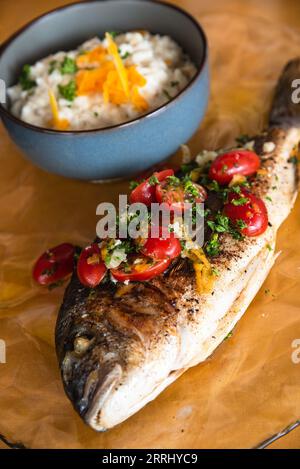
(155, 169)
(145, 192)
(242, 162)
(164, 247)
(175, 195)
(90, 267)
(54, 265)
(252, 212)
(145, 270)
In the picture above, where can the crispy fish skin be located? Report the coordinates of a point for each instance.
(119, 346)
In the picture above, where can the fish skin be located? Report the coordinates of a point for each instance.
(119, 347)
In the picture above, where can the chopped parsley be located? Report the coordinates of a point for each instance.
(133, 185)
(113, 34)
(241, 140)
(167, 94)
(92, 294)
(293, 159)
(220, 224)
(68, 91)
(239, 201)
(215, 271)
(230, 334)
(269, 198)
(236, 189)
(52, 66)
(125, 55)
(241, 224)
(186, 168)
(212, 247)
(68, 66)
(214, 186)
(153, 180)
(190, 188)
(173, 180)
(25, 79)
(224, 168)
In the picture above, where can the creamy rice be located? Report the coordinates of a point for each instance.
(158, 59)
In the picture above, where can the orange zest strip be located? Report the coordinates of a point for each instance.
(113, 51)
(138, 100)
(92, 57)
(57, 122)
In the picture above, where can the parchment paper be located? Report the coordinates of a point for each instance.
(250, 388)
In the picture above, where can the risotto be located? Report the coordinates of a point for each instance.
(101, 83)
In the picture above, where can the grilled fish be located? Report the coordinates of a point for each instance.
(119, 346)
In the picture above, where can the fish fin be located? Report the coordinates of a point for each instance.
(285, 110)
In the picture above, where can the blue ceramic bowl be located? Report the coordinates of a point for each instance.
(121, 150)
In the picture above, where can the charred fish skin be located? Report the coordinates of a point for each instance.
(119, 346)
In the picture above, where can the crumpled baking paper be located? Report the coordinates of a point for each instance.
(249, 388)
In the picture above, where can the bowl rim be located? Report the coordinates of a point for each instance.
(150, 114)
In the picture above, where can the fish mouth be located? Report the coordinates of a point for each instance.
(91, 410)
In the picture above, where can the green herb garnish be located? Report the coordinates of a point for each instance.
(230, 334)
(220, 224)
(68, 91)
(242, 139)
(133, 185)
(293, 159)
(125, 55)
(68, 66)
(190, 188)
(240, 201)
(173, 180)
(224, 168)
(241, 224)
(153, 180)
(52, 66)
(25, 79)
(215, 271)
(213, 246)
(113, 34)
(167, 94)
(236, 189)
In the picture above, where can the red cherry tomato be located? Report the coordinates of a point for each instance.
(242, 162)
(54, 265)
(90, 267)
(164, 247)
(253, 212)
(145, 192)
(175, 195)
(148, 271)
(155, 169)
